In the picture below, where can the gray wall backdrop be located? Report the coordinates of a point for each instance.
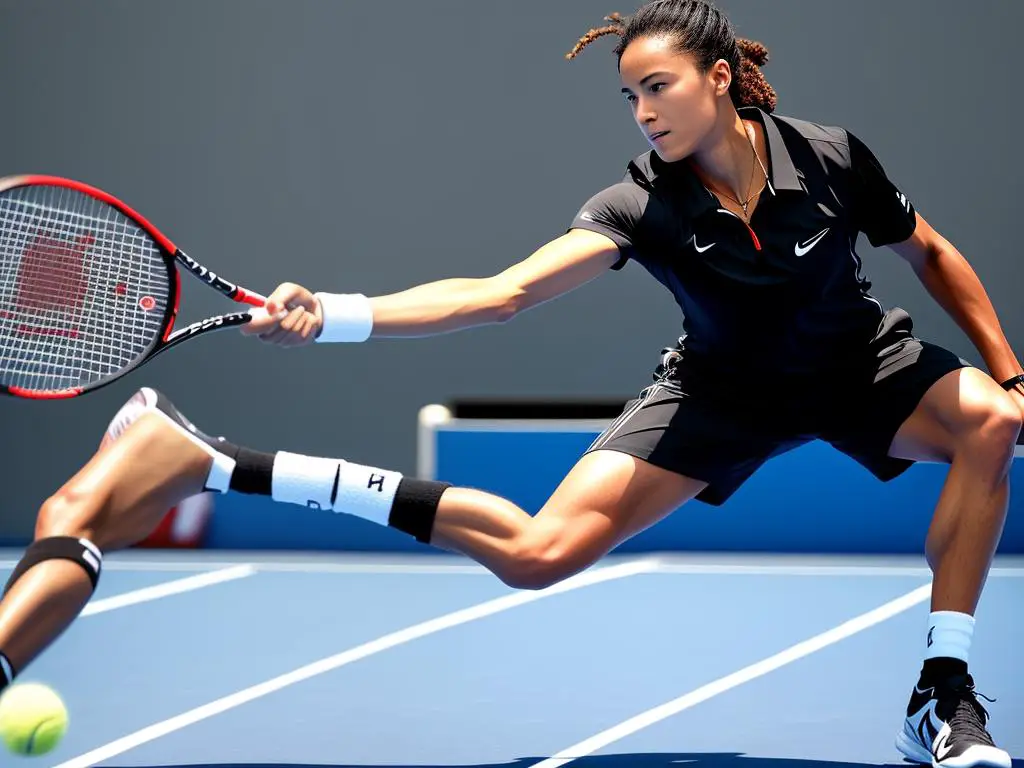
(371, 146)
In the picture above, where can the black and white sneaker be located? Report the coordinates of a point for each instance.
(945, 726)
(149, 400)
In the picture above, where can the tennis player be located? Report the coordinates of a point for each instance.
(750, 219)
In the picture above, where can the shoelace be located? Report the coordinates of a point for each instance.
(969, 716)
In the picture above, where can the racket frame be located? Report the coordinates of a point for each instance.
(175, 260)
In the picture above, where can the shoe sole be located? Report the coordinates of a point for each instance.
(975, 757)
(912, 750)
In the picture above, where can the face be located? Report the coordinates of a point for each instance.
(675, 105)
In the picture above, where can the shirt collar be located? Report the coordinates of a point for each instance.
(781, 169)
(782, 172)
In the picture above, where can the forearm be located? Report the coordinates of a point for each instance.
(952, 282)
(440, 307)
(552, 270)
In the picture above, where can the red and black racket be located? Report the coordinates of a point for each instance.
(89, 289)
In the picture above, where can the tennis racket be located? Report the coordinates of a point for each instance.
(89, 289)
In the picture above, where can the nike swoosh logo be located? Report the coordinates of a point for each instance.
(942, 746)
(924, 723)
(804, 248)
(698, 248)
(926, 732)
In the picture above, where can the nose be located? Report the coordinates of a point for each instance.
(644, 114)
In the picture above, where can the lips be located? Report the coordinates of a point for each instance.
(656, 135)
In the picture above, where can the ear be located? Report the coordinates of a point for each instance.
(720, 76)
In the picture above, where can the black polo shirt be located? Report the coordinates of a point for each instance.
(785, 294)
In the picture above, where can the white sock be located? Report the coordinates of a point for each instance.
(949, 635)
(341, 486)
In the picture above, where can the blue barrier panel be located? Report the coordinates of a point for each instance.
(813, 499)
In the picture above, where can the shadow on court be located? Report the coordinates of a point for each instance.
(636, 760)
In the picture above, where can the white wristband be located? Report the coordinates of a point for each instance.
(347, 317)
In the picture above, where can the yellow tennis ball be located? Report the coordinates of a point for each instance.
(33, 719)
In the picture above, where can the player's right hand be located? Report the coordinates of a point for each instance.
(291, 317)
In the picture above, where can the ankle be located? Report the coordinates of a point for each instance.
(940, 668)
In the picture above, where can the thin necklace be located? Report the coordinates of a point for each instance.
(744, 204)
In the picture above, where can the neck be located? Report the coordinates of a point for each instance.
(727, 162)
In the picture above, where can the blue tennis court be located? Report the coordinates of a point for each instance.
(716, 662)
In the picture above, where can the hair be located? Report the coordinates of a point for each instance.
(700, 29)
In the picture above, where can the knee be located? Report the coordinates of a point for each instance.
(995, 428)
(71, 511)
(539, 561)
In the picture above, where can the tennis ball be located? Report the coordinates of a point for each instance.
(33, 719)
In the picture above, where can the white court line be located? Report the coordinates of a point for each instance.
(301, 567)
(313, 562)
(705, 692)
(166, 589)
(383, 643)
(815, 570)
(698, 569)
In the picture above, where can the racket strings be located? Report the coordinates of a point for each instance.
(50, 276)
(83, 289)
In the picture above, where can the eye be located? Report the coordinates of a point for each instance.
(630, 98)
(657, 87)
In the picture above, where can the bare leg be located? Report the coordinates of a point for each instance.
(967, 420)
(114, 501)
(123, 492)
(604, 500)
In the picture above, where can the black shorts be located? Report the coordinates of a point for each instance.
(720, 429)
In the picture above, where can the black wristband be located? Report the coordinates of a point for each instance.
(1011, 383)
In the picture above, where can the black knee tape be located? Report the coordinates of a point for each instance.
(7, 671)
(80, 551)
(415, 507)
(254, 472)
